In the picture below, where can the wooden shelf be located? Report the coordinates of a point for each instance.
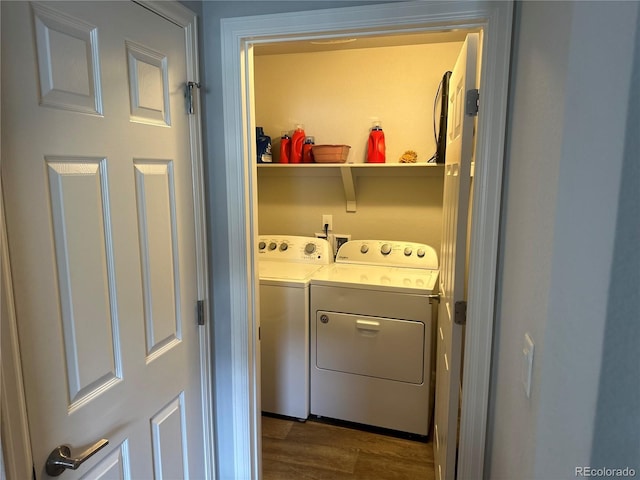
(349, 171)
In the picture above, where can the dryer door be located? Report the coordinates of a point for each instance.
(385, 348)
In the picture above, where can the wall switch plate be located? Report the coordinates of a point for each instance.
(527, 364)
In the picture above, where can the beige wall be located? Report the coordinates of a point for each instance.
(337, 95)
(399, 208)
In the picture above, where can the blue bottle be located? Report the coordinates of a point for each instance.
(263, 144)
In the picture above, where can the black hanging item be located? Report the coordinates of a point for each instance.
(441, 142)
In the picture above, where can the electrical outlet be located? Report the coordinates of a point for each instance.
(327, 220)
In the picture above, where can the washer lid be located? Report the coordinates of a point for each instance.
(394, 279)
(276, 270)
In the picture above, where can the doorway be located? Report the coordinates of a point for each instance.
(397, 79)
(239, 35)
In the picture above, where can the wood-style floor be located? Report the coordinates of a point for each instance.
(316, 450)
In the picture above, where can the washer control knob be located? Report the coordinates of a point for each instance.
(283, 247)
(309, 248)
(408, 252)
(385, 249)
(262, 245)
(324, 318)
(364, 248)
(272, 246)
(420, 252)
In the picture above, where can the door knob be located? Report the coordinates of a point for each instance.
(61, 459)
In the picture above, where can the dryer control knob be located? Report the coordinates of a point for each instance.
(385, 249)
(408, 251)
(421, 252)
(272, 246)
(309, 248)
(262, 245)
(283, 247)
(364, 248)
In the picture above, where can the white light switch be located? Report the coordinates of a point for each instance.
(527, 364)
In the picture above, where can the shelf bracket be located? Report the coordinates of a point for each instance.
(349, 188)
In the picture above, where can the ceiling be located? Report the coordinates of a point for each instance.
(355, 42)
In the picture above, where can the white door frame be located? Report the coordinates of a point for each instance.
(238, 35)
(18, 458)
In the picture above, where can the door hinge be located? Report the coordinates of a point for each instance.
(200, 312)
(460, 313)
(473, 102)
(189, 95)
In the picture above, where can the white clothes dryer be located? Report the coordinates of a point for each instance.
(285, 265)
(372, 335)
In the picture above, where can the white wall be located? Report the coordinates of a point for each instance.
(588, 195)
(569, 102)
(617, 423)
(532, 161)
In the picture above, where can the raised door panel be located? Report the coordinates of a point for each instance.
(170, 442)
(68, 61)
(114, 466)
(148, 85)
(84, 258)
(157, 231)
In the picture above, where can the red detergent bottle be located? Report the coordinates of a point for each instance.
(297, 140)
(376, 148)
(285, 147)
(307, 150)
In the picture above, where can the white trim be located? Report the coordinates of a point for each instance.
(16, 442)
(171, 10)
(244, 377)
(237, 35)
(185, 18)
(19, 436)
(483, 255)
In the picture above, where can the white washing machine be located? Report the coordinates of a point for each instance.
(372, 335)
(286, 264)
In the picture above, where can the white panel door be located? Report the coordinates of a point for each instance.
(97, 177)
(452, 259)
